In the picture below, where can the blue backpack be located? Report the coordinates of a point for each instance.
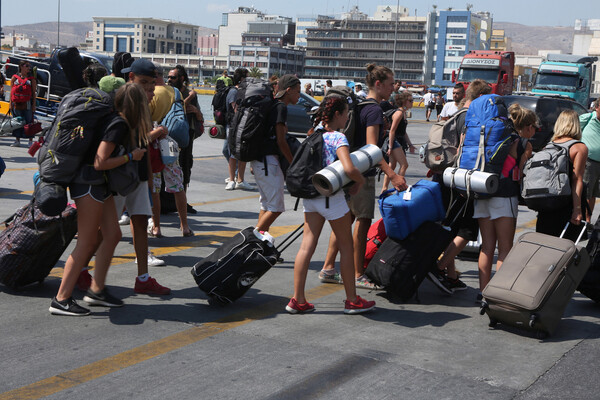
(488, 136)
(176, 123)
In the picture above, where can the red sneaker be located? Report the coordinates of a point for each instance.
(150, 287)
(84, 281)
(294, 307)
(359, 306)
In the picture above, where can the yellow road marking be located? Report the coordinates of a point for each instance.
(16, 192)
(106, 366)
(21, 169)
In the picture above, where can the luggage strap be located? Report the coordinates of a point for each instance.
(290, 239)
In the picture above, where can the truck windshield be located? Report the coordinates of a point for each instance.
(470, 74)
(545, 81)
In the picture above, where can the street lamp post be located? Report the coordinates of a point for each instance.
(395, 39)
(58, 31)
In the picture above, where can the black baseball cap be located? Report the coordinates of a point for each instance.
(286, 81)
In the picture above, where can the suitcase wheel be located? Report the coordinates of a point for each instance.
(484, 306)
(532, 320)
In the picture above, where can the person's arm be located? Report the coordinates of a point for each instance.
(343, 154)
(578, 154)
(159, 132)
(12, 87)
(397, 181)
(284, 147)
(104, 161)
(396, 118)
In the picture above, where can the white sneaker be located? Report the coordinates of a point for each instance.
(154, 261)
(150, 226)
(227, 180)
(243, 185)
(124, 219)
(230, 185)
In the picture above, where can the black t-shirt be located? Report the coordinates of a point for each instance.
(277, 115)
(118, 133)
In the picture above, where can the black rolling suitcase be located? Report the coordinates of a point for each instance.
(228, 273)
(400, 266)
(590, 285)
(32, 243)
(536, 282)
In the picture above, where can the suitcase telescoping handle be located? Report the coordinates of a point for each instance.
(584, 223)
(290, 239)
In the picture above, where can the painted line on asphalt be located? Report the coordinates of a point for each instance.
(21, 169)
(137, 355)
(9, 193)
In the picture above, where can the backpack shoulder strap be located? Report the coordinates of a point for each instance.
(177, 95)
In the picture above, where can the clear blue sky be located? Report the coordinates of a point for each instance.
(208, 12)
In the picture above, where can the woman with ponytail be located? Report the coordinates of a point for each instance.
(330, 118)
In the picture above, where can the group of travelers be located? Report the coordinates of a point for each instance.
(142, 98)
(141, 102)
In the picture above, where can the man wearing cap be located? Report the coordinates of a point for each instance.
(143, 72)
(267, 172)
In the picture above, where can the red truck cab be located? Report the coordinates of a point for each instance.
(495, 67)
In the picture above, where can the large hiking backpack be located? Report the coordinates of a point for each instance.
(176, 123)
(488, 136)
(22, 90)
(79, 115)
(354, 106)
(219, 102)
(547, 178)
(441, 148)
(307, 161)
(250, 124)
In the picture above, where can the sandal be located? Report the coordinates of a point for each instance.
(188, 233)
(157, 235)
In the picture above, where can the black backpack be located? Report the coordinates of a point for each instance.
(250, 124)
(219, 102)
(80, 114)
(307, 161)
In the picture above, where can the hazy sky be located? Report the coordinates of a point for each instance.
(208, 12)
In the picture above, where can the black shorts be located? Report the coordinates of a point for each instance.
(431, 106)
(98, 192)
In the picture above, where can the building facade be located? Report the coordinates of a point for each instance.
(341, 48)
(451, 35)
(270, 59)
(208, 45)
(586, 42)
(144, 35)
(499, 41)
(233, 25)
(305, 22)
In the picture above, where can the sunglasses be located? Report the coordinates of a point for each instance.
(172, 77)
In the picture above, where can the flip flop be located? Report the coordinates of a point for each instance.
(188, 233)
(155, 235)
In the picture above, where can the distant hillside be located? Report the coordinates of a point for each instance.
(71, 33)
(530, 39)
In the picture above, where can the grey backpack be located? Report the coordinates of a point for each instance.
(441, 149)
(547, 178)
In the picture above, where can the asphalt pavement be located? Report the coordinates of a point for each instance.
(180, 347)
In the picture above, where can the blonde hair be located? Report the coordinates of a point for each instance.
(521, 117)
(132, 104)
(567, 125)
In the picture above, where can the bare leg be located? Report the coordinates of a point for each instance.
(156, 213)
(360, 244)
(241, 171)
(181, 204)
(139, 224)
(312, 230)
(505, 232)
(486, 256)
(111, 234)
(343, 231)
(332, 251)
(88, 221)
(266, 220)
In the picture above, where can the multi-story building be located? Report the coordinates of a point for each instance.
(499, 41)
(270, 30)
(305, 22)
(208, 45)
(270, 59)
(586, 42)
(341, 48)
(451, 35)
(144, 35)
(233, 25)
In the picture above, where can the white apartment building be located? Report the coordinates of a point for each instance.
(143, 35)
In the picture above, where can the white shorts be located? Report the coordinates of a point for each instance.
(496, 207)
(270, 186)
(136, 202)
(338, 207)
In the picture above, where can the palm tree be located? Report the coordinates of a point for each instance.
(255, 72)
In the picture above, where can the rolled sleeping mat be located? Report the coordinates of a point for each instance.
(332, 178)
(480, 182)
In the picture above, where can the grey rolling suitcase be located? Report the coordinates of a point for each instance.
(536, 282)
